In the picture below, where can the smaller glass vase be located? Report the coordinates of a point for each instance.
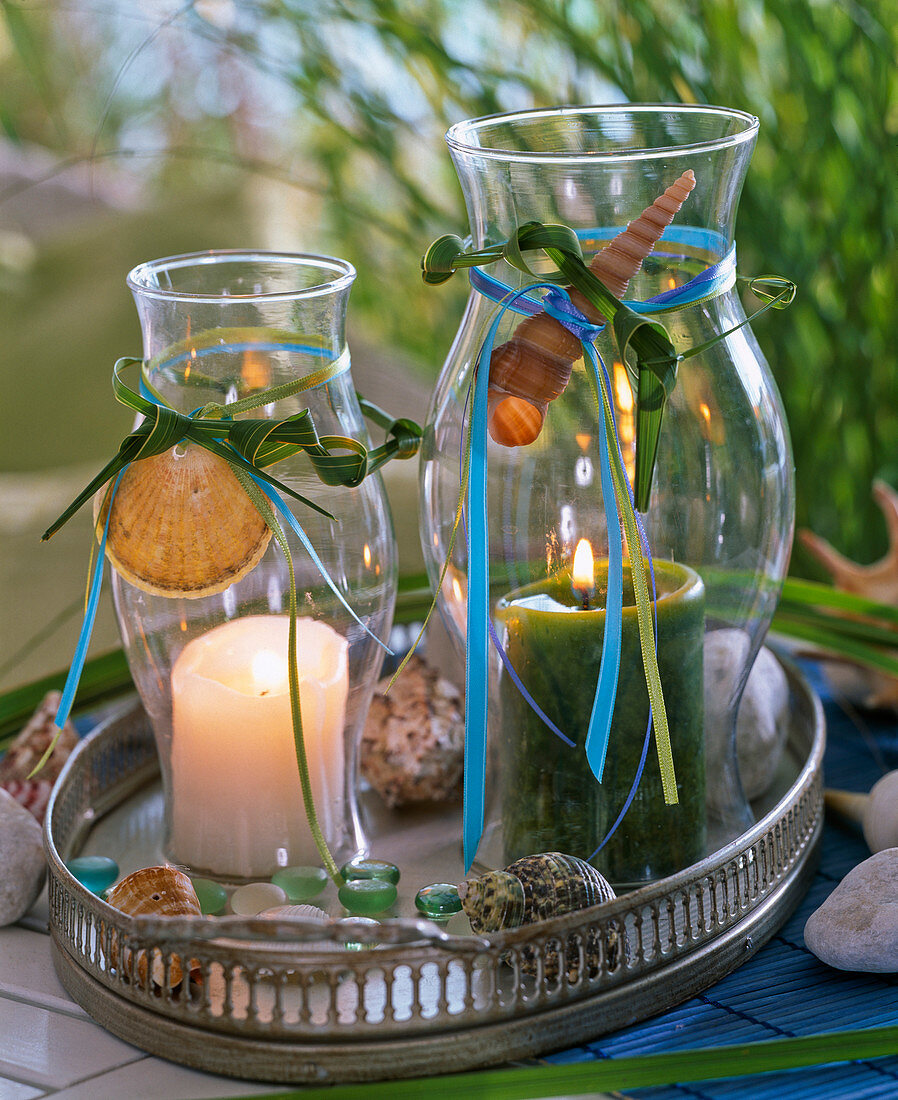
(211, 665)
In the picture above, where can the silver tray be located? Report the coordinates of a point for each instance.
(321, 1001)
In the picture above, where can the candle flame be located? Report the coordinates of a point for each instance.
(583, 577)
(623, 392)
(269, 671)
(366, 555)
(255, 371)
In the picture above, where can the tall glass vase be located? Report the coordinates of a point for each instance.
(718, 520)
(209, 654)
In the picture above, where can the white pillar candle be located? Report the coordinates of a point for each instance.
(236, 801)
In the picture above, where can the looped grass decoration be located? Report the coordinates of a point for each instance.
(247, 448)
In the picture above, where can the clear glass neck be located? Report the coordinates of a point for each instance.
(600, 167)
(219, 325)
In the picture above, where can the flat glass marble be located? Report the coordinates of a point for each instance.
(367, 895)
(363, 867)
(97, 873)
(300, 883)
(211, 895)
(250, 900)
(439, 901)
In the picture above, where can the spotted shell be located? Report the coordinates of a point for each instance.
(531, 889)
(181, 525)
(157, 892)
(534, 366)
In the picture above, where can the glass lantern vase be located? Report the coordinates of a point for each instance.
(209, 656)
(718, 520)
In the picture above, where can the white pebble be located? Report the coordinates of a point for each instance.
(252, 899)
(22, 863)
(881, 814)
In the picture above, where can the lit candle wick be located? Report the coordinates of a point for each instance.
(583, 579)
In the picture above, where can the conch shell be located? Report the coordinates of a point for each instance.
(538, 887)
(534, 366)
(157, 892)
(181, 524)
(878, 581)
(530, 889)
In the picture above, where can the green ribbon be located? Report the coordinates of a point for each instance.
(248, 447)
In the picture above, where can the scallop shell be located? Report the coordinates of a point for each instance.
(531, 889)
(157, 892)
(181, 524)
(294, 912)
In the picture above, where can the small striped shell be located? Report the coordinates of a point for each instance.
(181, 524)
(157, 892)
(532, 889)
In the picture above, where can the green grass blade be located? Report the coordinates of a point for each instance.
(841, 646)
(103, 677)
(824, 595)
(708, 1064)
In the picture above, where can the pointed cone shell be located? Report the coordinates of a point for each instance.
(157, 892)
(181, 524)
(513, 421)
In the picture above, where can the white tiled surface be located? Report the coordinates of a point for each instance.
(49, 1046)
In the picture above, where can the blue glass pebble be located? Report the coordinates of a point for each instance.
(365, 896)
(363, 867)
(439, 901)
(97, 873)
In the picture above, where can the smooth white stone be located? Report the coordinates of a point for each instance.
(252, 899)
(856, 928)
(762, 723)
(881, 814)
(22, 862)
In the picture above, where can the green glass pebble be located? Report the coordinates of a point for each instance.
(211, 895)
(439, 901)
(351, 945)
(367, 895)
(97, 873)
(300, 883)
(362, 867)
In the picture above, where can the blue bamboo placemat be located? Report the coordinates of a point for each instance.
(784, 990)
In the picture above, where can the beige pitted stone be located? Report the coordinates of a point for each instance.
(856, 928)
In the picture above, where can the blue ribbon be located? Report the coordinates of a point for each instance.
(717, 278)
(479, 624)
(90, 614)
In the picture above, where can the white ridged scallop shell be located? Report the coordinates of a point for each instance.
(181, 524)
(157, 892)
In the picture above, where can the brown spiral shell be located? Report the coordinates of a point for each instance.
(534, 366)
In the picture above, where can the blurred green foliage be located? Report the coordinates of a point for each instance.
(348, 101)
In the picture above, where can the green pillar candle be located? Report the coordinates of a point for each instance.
(549, 798)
